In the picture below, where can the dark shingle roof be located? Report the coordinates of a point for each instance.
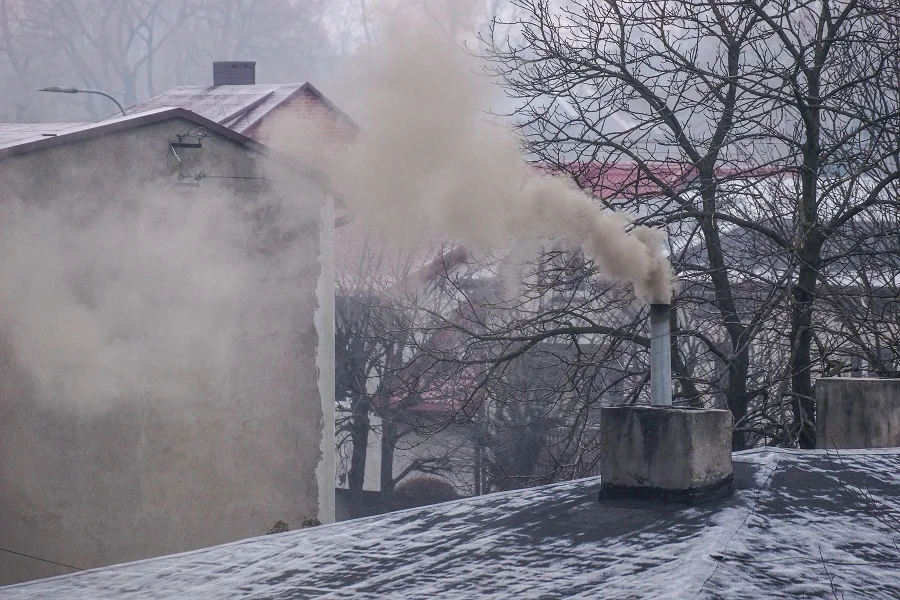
(801, 524)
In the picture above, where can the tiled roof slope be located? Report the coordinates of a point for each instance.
(802, 524)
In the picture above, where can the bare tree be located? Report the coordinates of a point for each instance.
(379, 383)
(744, 125)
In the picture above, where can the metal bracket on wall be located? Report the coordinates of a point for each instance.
(191, 139)
(197, 134)
(185, 180)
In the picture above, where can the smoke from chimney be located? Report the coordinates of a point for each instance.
(427, 160)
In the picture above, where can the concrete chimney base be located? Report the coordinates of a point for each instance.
(665, 453)
(857, 413)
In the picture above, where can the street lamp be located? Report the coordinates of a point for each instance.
(60, 90)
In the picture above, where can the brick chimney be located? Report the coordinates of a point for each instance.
(234, 72)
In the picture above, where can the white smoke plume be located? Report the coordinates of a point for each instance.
(158, 353)
(428, 161)
(155, 295)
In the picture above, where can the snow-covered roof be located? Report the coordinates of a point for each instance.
(801, 524)
(14, 133)
(18, 138)
(238, 107)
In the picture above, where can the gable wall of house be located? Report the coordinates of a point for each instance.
(180, 459)
(326, 132)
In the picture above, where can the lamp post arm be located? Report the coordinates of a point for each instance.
(60, 90)
(108, 96)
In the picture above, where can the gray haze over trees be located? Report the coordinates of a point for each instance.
(135, 49)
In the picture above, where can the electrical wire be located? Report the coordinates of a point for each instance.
(178, 158)
(202, 175)
(52, 562)
(193, 132)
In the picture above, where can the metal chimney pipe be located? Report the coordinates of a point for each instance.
(660, 355)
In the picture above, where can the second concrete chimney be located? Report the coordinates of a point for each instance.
(234, 72)
(857, 413)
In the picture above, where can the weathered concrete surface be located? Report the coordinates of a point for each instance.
(857, 413)
(647, 448)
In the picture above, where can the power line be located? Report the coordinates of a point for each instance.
(202, 175)
(52, 562)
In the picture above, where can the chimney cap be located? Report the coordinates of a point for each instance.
(234, 72)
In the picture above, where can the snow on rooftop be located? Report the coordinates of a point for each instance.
(235, 106)
(801, 524)
(238, 107)
(12, 134)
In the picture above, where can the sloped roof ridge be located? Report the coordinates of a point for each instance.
(291, 89)
(235, 117)
(331, 105)
(817, 451)
(90, 130)
(304, 87)
(256, 88)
